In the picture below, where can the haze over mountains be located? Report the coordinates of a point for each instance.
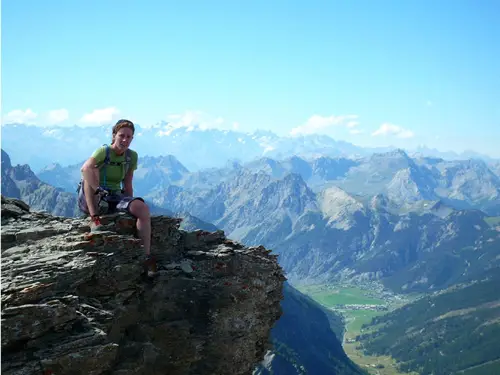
(195, 147)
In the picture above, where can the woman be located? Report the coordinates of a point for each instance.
(104, 173)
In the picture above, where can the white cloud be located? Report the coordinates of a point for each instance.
(394, 130)
(101, 116)
(319, 123)
(192, 120)
(57, 115)
(21, 117)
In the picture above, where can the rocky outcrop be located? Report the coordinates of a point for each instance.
(80, 303)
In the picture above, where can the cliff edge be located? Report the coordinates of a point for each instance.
(80, 303)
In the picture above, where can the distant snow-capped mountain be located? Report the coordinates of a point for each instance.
(195, 147)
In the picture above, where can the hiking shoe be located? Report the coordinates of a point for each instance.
(150, 265)
(95, 224)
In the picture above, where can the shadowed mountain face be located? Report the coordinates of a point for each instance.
(301, 344)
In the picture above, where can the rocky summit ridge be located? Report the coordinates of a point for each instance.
(79, 303)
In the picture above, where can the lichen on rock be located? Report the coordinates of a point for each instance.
(80, 303)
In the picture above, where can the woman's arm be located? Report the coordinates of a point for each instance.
(127, 183)
(90, 173)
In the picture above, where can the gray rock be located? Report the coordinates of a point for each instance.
(80, 303)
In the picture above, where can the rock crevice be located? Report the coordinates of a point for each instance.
(80, 303)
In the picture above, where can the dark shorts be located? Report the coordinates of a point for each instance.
(116, 202)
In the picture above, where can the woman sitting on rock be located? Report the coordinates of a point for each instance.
(102, 177)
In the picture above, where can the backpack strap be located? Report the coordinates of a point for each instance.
(128, 162)
(107, 161)
(105, 164)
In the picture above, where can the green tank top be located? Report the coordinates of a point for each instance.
(115, 172)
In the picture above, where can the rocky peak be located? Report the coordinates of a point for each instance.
(23, 172)
(245, 180)
(394, 160)
(78, 303)
(168, 162)
(340, 208)
(268, 165)
(331, 168)
(6, 160)
(409, 185)
(53, 167)
(9, 187)
(470, 180)
(299, 166)
(290, 193)
(19, 172)
(379, 202)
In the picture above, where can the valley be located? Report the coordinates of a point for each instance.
(358, 304)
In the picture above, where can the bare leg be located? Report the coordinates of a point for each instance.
(141, 211)
(90, 185)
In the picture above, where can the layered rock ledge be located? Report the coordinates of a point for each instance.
(80, 303)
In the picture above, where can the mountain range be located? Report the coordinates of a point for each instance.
(384, 217)
(408, 224)
(197, 148)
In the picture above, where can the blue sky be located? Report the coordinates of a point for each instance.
(370, 72)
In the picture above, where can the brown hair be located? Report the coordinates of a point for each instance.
(119, 125)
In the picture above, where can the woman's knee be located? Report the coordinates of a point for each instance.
(139, 209)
